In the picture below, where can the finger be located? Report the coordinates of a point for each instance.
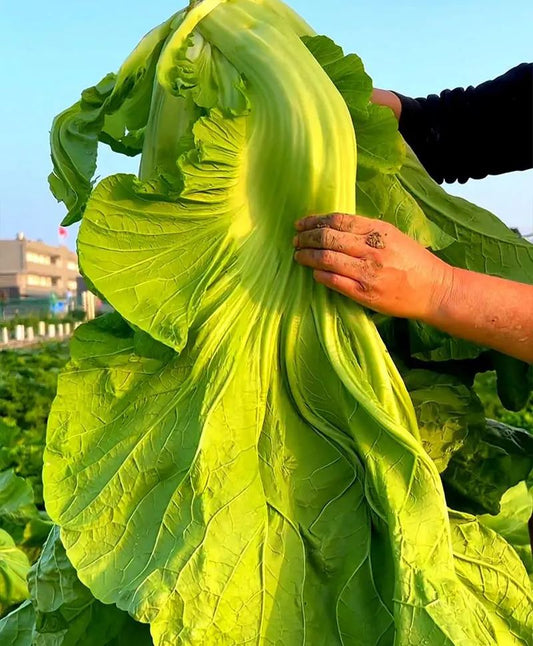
(347, 243)
(356, 290)
(339, 221)
(332, 261)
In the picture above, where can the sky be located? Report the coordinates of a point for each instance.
(53, 50)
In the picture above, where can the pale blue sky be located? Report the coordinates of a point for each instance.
(52, 50)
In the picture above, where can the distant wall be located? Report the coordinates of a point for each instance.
(11, 256)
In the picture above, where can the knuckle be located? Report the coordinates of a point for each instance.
(326, 257)
(335, 280)
(337, 220)
(372, 263)
(326, 237)
(301, 239)
(369, 273)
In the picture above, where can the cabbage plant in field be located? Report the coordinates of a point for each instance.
(234, 456)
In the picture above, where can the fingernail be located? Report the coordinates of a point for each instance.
(295, 241)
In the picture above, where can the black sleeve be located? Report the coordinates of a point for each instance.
(472, 133)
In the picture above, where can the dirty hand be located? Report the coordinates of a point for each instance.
(373, 263)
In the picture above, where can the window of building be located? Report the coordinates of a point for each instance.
(72, 285)
(38, 258)
(38, 281)
(72, 265)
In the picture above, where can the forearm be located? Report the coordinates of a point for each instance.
(473, 132)
(488, 311)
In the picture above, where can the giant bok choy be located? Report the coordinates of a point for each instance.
(233, 457)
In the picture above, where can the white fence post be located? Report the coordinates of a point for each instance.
(89, 304)
(50, 331)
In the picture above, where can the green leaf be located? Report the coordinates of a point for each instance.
(16, 628)
(431, 345)
(62, 611)
(483, 242)
(16, 504)
(346, 72)
(382, 196)
(14, 566)
(479, 459)
(447, 411)
(66, 613)
(514, 381)
(485, 386)
(18, 514)
(114, 111)
(379, 144)
(512, 521)
(186, 500)
(74, 145)
(9, 435)
(182, 234)
(380, 147)
(494, 570)
(488, 464)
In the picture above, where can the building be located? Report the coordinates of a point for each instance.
(33, 269)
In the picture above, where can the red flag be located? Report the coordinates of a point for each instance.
(63, 232)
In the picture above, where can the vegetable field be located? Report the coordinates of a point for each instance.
(237, 455)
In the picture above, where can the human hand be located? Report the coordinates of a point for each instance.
(373, 263)
(388, 99)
